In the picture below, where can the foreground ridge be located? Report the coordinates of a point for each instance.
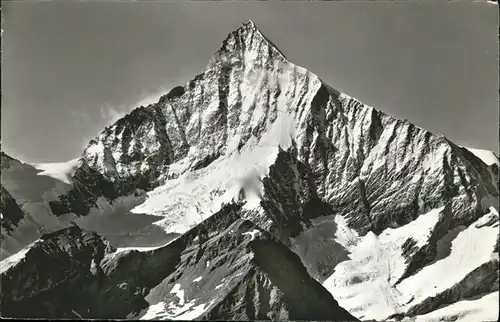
(101, 278)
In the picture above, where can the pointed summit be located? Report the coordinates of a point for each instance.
(248, 38)
(248, 27)
(249, 24)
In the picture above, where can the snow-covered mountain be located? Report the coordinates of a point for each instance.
(255, 183)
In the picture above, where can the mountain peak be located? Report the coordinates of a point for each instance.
(249, 24)
(248, 38)
(248, 27)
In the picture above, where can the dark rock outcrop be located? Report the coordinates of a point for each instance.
(53, 277)
(11, 213)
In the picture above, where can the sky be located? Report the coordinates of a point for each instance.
(70, 69)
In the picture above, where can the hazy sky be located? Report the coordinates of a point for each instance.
(69, 69)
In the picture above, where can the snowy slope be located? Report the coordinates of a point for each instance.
(193, 196)
(14, 259)
(470, 249)
(34, 189)
(366, 283)
(488, 157)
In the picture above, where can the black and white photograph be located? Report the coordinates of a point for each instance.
(250, 160)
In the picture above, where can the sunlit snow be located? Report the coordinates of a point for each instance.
(192, 197)
(252, 233)
(140, 249)
(180, 310)
(14, 259)
(364, 284)
(179, 292)
(470, 249)
(61, 170)
(486, 156)
(161, 311)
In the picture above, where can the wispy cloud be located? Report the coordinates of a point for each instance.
(110, 114)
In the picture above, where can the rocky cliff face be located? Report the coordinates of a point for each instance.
(373, 206)
(354, 152)
(127, 156)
